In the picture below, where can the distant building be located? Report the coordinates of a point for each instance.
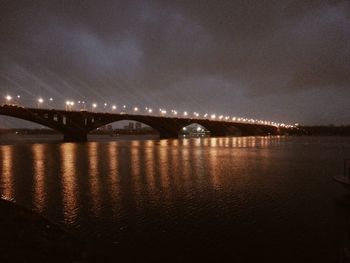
(138, 126)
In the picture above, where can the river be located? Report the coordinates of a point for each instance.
(266, 199)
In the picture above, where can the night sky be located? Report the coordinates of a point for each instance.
(285, 61)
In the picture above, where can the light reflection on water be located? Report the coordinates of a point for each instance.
(40, 191)
(7, 187)
(70, 188)
(243, 188)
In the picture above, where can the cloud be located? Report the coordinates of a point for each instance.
(149, 52)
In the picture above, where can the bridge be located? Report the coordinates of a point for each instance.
(75, 125)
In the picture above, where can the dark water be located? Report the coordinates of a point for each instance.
(261, 199)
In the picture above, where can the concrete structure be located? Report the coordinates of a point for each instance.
(75, 125)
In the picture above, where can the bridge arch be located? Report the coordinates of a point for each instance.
(166, 128)
(26, 121)
(137, 126)
(194, 129)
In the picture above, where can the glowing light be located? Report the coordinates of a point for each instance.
(69, 104)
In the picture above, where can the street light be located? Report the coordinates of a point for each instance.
(40, 101)
(18, 98)
(83, 102)
(8, 98)
(94, 106)
(69, 104)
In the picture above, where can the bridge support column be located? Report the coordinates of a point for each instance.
(75, 137)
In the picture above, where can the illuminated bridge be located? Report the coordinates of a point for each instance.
(75, 125)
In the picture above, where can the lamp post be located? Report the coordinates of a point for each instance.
(8, 99)
(69, 105)
(94, 106)
(40, 102)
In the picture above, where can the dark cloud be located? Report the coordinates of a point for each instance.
(261, 59)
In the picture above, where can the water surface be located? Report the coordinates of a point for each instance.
(270, 199)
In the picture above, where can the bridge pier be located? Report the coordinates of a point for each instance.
(75, 137)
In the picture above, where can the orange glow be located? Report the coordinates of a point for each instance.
(94, 182)
(69, 185)
(135, 167)
(40, 194)
(149, 163)
(113, 171)
(7, 189)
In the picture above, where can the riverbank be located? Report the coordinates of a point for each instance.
(28, 237)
